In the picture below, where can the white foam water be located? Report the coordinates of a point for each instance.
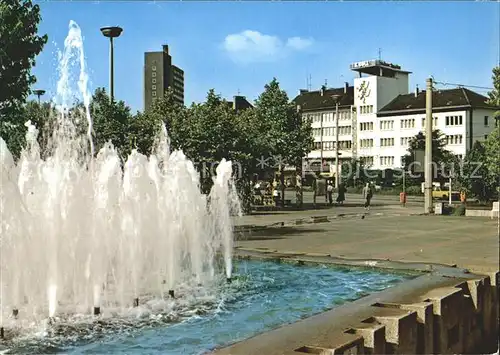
(81, 230)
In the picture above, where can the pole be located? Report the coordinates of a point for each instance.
(404, 186)
(337, 175)
(111, 71)
(428, 147)
(321, 147)
(449, 192)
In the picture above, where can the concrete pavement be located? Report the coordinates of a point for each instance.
(385, 232)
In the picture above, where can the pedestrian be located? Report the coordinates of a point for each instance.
(329, 192)
(341, 194)
(367, 195)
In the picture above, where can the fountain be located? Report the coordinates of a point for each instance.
(85, 234)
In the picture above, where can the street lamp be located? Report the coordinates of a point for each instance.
(111, 32)
(39, 93)
(336, 99)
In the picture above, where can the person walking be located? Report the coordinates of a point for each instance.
(341, 194)
(367, 195)
(329, 192)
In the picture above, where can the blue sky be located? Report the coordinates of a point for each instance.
(231, 46)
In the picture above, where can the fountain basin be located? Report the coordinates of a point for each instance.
(261, 297)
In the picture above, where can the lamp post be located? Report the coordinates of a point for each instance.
(39, 93)
(428, 147)
(336, 98)
(111, 32)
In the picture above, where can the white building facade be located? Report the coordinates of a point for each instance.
(378, 117)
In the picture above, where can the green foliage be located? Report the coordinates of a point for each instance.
(474, 173)
(354, 173)
(494, 95)
(43, 116)
(287, 135)
(19, 45)
(439, 152)
(111, 121)
(459, 210)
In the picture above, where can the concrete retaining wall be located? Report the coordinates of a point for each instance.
(460, 318)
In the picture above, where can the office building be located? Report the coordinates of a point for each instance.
(159, 75)
(379, 116)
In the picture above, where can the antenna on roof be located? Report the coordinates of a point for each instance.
(326, 83)
(380, 54)
(309, 82)
(238, 92)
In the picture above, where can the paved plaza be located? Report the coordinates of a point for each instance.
(387, 231)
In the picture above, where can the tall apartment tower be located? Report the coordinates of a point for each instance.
(159, 75)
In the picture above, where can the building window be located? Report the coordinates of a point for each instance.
(366, 126)
(153, 80)
(454, 139)
(408, 123)
(153, 68)
(387, 125)
(486, 121)
(153, 93)
(405, 141)
(366, 143)
(386, 142)
(454, 120)
(367, 160)
(386, 161)
(434, 122)
(153, 74)
(153, 87)
(345, 145)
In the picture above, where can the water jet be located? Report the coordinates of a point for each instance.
(171, 293)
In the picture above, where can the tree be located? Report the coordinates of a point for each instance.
(111, 122)
(288, 136)
(354, 172)
(43, 117)
(174, 116)
(440, 156)
(19, 45)
(492, 144)
(474, 173)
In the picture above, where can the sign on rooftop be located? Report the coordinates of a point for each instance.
(363, 64)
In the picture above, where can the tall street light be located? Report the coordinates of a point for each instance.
(111, 32)
(39, 93)
(336, 99)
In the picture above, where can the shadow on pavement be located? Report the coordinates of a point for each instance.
(266, 233)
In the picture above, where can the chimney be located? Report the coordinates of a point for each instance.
(322, 91)
(346, 87)
(165, 48)
(416, 91)
(303, 91)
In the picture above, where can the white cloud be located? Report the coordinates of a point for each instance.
(252, 46)
(299, 43)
